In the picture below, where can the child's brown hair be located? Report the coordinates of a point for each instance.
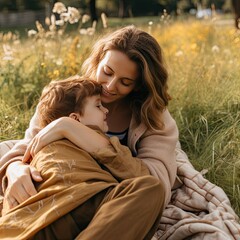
(62, 97)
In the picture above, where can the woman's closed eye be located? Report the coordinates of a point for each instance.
(126, 82)
(107, 71)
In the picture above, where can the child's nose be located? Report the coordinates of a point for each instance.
(105, 110)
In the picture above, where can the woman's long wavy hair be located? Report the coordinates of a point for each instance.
(151, 94)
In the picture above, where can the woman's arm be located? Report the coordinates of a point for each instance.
(157, 149)
(16, 176)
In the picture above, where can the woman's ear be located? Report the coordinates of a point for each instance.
(75, 116)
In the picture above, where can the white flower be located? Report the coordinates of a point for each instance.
(83, 31)
(59, 23)
(59, 61)
(64, 17)
(74, 15)
(85, 18)
(59, 8)
(215, 49)
(32, 33)
(179, 53)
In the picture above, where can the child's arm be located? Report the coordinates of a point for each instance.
(118, 158)
(65, 127)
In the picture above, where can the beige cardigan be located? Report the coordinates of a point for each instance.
(155, 148)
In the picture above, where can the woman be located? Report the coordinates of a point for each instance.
(129, 65)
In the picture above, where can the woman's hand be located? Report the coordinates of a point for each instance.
(52, 132)
(20, 183)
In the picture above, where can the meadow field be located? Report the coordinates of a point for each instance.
(204, 65)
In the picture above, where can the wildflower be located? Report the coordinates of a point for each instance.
(104, 20)
(59, 61)
(64, 17)
(47, 21)
(32, 33)
(74, 15)
(85, 18)
(8, 53)
(59, 8)
(39, 27)
(215, 49)
(179, 53)
(53, 19)
(60, 23)
(83, 31)
(60, 32)
(94, 24)
(90, 31)
(52, 28)
(43, 65)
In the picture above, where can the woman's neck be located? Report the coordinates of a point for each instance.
(119, 116)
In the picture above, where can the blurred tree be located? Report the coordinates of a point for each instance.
(236, 8)
(32, 4)
(92, 9)
(123, 8)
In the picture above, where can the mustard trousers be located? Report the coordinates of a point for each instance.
(130, 210)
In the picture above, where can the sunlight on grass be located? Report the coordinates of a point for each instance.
(203, 60)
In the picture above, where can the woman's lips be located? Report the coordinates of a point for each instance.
(106, 93)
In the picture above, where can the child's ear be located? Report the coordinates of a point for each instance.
(75, 116)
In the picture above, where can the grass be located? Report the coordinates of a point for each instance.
(203, 61)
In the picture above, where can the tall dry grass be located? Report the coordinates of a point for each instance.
(203, 61)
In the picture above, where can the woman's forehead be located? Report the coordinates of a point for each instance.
(120, 64)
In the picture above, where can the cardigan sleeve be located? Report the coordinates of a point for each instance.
(157, 150)
(17, 152)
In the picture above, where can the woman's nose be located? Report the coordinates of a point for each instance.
(111, 84)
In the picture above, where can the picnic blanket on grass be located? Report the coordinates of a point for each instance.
(198, 209)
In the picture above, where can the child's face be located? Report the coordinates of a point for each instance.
(94, 113)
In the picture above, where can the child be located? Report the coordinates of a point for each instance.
(71, 175)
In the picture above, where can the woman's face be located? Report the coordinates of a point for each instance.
(118, 76)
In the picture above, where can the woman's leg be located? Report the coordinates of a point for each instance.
(131, 210)
(6, 146)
